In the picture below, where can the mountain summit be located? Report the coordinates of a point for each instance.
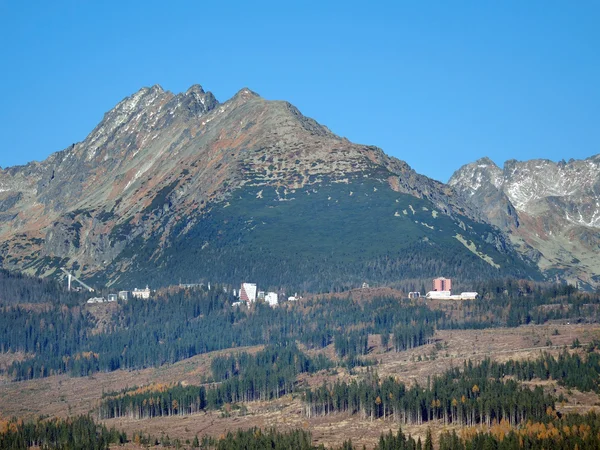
(179, 186)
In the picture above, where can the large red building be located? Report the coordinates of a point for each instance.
(442, 284)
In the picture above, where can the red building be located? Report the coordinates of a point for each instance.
(442, 284)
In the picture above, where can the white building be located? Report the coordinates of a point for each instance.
(439, 295)
(447, 295)
(271, 298)
(123, 295)
(141, 293)
(96, 300)
(248, 292)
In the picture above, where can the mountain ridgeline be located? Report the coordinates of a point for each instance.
(550, 211)
(179, 187)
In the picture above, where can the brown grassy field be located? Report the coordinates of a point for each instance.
(62, 395)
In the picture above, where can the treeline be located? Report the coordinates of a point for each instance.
(18, 288)
(317, 322)
(473, 395)
(568, 369)
(144, 333)
(257, 439)
(351, 344)
(267, 375)
(181, 324)
(80, 433)
(466, 397)
(50, 331)
(286, 358)
(411, 336)
(512, 303)
(572, 431)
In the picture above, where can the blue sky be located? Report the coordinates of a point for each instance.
(435, 83)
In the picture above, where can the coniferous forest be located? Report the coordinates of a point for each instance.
(490, 401)
(574, 431)
(183, 323)
(267, 375)
(79, 433)
(467, 397)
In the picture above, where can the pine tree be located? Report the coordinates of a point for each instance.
(428, 440)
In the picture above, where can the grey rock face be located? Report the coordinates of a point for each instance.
(481, 184)
(551, 210)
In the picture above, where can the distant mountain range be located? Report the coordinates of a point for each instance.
(179, 187)
(550, 211)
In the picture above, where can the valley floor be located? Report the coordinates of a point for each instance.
(64, 396)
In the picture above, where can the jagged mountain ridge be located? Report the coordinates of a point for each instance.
(159, 163)
(550, 210)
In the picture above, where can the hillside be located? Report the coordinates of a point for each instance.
(187, 363)
(172, 187)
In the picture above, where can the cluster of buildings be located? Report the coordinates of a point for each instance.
(110, 299)
(249, 293)
(122, 295)
(140, 293)
(442, 290)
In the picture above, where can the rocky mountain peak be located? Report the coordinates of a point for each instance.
(156, 88)
(194, 102)
(195, 89)
(147, 102)
(246, 94)
(555, 207)
(162, 165)
(485, 162)
(477, 175)
(142, 98)
(480, 184)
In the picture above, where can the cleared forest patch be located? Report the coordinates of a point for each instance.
(62, 396)
(451, 348)
(283, 414)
